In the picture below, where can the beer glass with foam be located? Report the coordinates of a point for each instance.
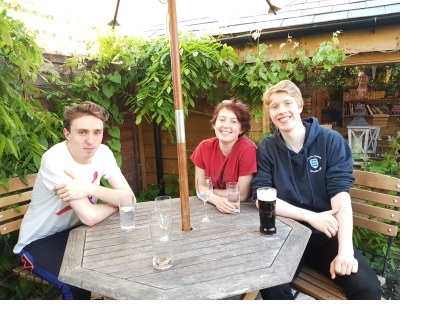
(266, 197)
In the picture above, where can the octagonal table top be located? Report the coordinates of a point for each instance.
(219, 259)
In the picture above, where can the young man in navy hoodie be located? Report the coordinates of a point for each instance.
(312, 169)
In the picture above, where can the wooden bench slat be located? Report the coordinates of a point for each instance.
(18, 194)
(386, 229)
(320, 280)
(383, 198)
(307, 287)
(386, 214)
(250, 295)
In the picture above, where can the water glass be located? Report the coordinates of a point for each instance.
(233, 194)
(162, 205)
(127, 205)
(162, 240)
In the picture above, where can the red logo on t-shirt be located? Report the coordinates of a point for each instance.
(65, 209)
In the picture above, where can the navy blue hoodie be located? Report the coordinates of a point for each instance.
(309, 178)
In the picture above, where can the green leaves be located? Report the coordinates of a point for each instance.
(26, 129)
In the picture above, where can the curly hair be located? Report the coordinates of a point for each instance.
(77, 110)
(239, 108)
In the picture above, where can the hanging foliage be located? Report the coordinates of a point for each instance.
(254, 75)
(26, 129)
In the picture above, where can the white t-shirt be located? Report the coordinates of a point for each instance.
(47, 213)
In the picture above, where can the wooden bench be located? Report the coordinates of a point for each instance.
(14, 203)
(376, 207)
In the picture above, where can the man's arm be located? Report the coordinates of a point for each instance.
(322, 221)
(344, 263)
(76, 192)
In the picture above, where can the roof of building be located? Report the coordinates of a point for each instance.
(60, 31)
(305, 15)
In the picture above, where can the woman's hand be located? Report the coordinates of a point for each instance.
(222, 204)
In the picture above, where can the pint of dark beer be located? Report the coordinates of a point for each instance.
(266, 197)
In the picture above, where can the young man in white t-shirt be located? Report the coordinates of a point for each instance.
(66, 192)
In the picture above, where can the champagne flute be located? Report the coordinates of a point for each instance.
(164, 221)
(163, 210)
(204, 190)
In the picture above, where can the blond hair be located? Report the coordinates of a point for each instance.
(285, 86)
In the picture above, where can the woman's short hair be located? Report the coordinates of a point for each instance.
(239, 108)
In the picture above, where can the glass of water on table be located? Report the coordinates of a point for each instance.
(127, 205)
(233, 194)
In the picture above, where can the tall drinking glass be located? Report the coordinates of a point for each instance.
(233, 194)
(127, 205)
(266, 197)
(163, 211)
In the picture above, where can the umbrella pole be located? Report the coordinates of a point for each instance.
(180, 123)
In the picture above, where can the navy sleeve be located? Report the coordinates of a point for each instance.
(339, 174)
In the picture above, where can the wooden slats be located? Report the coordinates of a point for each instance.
(16, 184)
(382, 213)
(386, 229)
(250, 295)
(13, 205)
(320, 287)
(28, 275)
(376, 205)
(377, 180)
(383, 198)
(10, 227)
(16, 199)
(317, 285)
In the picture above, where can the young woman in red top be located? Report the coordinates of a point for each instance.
(228, 157)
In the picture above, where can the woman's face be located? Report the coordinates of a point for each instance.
(227, 127)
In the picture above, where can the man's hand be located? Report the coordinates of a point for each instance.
(343, 265)
(325, 222)
(73, 189)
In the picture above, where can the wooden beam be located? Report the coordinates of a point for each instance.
(384, 42)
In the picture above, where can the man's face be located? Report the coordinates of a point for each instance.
(362, 78)
(84, 138)
(284, 111)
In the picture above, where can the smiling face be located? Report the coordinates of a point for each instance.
(362, 78)
(285, 113)
(84, 137)
(227, 127)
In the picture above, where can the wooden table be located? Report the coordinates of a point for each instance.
(220, 259)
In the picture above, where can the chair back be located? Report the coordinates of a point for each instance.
(376, 205)
(14, 202)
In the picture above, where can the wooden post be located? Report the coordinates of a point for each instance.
(180, 123)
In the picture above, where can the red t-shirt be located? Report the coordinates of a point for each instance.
(222, 169)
